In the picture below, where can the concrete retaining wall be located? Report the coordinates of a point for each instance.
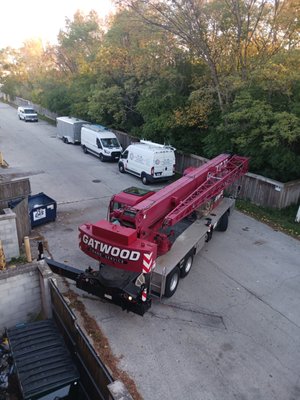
(20, 295)
(8, 234)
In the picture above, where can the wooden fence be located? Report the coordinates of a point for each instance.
(41, 110)
(13, 190)
(257, 189)
(16, 193)
(94, 375)
(268, 192)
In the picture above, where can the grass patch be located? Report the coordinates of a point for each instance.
(282, 220)
(20, 260)
(47, 119)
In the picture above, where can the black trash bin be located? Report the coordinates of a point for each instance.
(42, 209)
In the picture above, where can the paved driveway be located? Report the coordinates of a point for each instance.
(231, 331)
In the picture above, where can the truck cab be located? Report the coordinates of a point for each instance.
(120, 204)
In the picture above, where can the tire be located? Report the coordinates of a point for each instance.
(65, 140)
(144, 179)
(223, 222)
(187, 265)
(121, 168)
(84, 149)
(172, 282)
(101, 156)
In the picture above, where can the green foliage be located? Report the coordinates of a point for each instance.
(252, 128)
(55, 97)
(78, 95)
(106, 105)
(210, 79)
(78, 43)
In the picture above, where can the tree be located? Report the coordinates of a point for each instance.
(271, 139)
(78, 43)
(132, 56)
(224, 34)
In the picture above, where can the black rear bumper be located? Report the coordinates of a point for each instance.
(126, 296)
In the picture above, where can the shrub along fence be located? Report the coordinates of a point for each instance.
(257, 189)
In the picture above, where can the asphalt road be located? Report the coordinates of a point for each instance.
(232, 329)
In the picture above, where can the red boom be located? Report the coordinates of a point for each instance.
(135, 248)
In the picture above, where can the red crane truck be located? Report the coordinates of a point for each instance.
(149, 239)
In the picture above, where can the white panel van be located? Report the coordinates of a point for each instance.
(69, 129)
(150, 161)
(101, 142)
(27, 114)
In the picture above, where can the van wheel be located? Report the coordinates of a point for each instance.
(187, 266)
(144, 179)
(172, 282)
(121, 168)
(101, 156)
(84, 149)
(65, 140)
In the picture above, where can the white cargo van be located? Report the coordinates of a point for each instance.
(150, 161)
(27, 114)
(101, 142)
(69, 129)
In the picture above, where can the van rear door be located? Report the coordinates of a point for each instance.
(164, 161)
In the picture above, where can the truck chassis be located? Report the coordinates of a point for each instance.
(119, 287)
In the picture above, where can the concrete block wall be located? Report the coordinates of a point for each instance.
(8, 234)
(20, 295)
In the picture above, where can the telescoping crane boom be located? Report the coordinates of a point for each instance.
(142, 241)
(140, 228)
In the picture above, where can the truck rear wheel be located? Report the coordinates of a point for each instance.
(172, 282)
(84, 149)
(187, 265)
(223, 222)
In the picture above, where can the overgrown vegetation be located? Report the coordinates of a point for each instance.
(16, 261)
(207, 77)
(281, 220)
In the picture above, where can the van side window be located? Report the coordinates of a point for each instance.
(98, 144)
(124, 155)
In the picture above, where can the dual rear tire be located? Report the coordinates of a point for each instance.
(173, 277)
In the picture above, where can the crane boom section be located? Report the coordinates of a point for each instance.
(154, 208)
(215, 183)
(134, 235)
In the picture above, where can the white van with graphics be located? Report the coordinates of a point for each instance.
(150, 161)
(101, 142)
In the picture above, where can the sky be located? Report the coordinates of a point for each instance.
(22, 20)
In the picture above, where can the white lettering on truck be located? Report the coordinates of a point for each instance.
(112, 250)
